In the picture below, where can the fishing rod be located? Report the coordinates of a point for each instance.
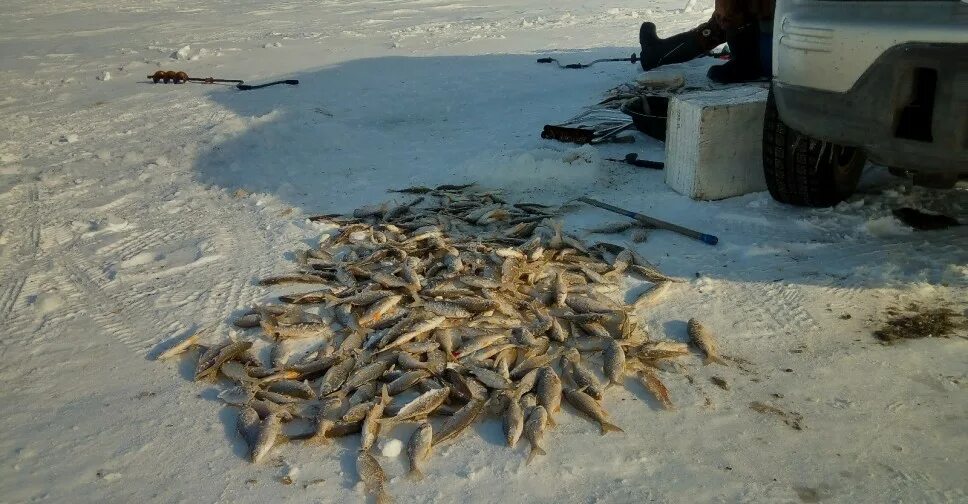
(634, 58)
(177, 77)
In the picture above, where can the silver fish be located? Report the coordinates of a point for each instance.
(490, 378)
(182, 346)
(366, 374)
(378, 310)
(269, 431)
(583, 304)
(336, 376)
(417, 330)
(208, 365)
(456, 424)
(292, 388)
(373, 477)
(584, 378)
(587, 405)
(614, 362)
(418, 449)
(548, 391)
(513, 422)
(406, 381)
(534, 428)
(422, 406)
(703, 338)
(371, 424)
(248, 426)
(652, 296)
(447, 309)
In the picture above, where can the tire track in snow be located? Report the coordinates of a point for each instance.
(12, 286)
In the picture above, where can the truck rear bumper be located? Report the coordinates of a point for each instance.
(909, 109)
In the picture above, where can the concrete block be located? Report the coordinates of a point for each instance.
(713, 143)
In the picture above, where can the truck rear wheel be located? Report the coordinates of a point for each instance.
(805, 171)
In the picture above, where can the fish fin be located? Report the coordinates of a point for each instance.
(609, 427)
(535, 451)
(714, 358)
(415, 474)
(383, 497)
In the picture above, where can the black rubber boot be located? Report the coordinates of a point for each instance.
(677, 48)
(745, 63)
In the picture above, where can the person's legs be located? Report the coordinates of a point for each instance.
(747, 60)
(678, 48)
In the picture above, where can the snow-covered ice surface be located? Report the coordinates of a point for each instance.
(134, 212)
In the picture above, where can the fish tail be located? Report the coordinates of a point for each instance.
(610, 427)
(415, 474)
(713, 358)
(535, 451)
(383, 497)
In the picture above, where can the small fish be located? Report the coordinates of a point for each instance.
(456, 424)
(357, 413)
(490, 378)
(371, 424)
(182, 346)
(584, 378)
(407, 380)
(534, 428)
(480, 283)
(621, 262)
(378, 310)
(548, 390)
(478, 343)
(583, 304)
(366, 374)
(447, 309)
(418, 449)
(336, 376)
(652, 296)
(209, 364)
(560, 288)
(611, 228)
(269, 431)
(531, 363)
(412, 190)
(390, 281)
(614, 362)
(557, 332)
(407, 361)
(654, 385)
(702, 338)
(420, 407)
(248, 426)
(587, 405)
(596, 330)
(305, 278)
(513, 422)
(373, 477)
(364, 393)
(651, 274)
(237, 372)
(247, 321)
(293, 388)
(417, 330)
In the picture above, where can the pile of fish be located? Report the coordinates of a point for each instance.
(442, 310)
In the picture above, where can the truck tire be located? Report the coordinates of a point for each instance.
(805, 171)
